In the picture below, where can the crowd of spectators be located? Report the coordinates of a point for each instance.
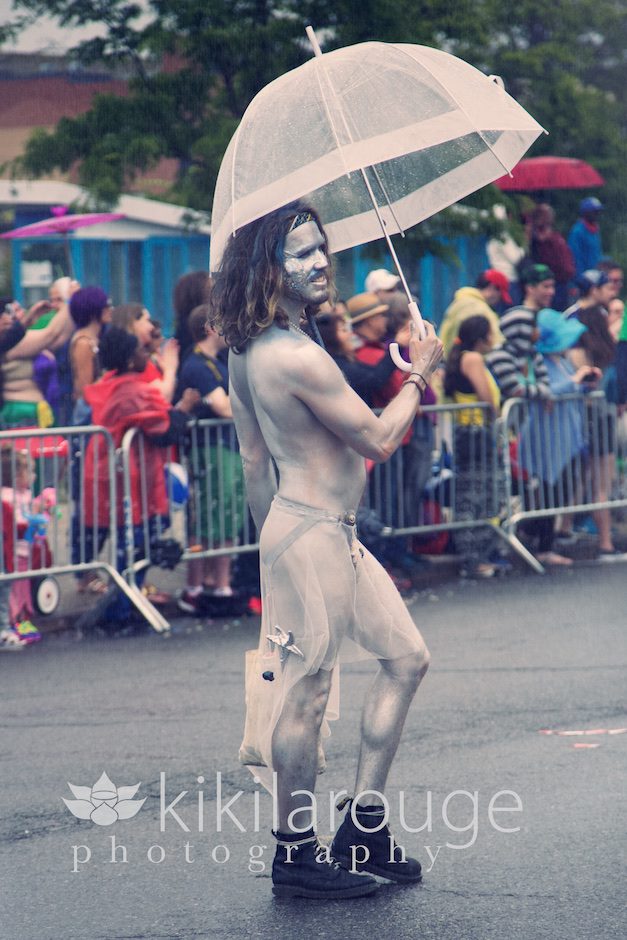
(116, 373)
(77, 359)
(554, 328)
(565, 337)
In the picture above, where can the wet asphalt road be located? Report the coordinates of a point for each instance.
(510, 659)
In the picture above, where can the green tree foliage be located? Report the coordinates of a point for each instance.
(564, 61)
(221, 53)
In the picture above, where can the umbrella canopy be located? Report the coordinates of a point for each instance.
(538, 173)
(425, 128)
(62, 224)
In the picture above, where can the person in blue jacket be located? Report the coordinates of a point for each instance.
(584, 238)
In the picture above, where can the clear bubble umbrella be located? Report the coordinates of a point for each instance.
(376, 136)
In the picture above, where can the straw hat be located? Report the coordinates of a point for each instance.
(363, 306)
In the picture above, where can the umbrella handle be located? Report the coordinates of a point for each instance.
(397, 359)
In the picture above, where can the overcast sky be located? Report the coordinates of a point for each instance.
(45, 35)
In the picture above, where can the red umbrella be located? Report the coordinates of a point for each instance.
(62, 224)
(550, 173)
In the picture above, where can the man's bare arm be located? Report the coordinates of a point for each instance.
(259, 474)
(321, 386)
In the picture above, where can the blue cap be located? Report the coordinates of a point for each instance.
(556, 332)
(591, 204)
(591, 278)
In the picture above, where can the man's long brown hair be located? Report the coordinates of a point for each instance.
(247, 288)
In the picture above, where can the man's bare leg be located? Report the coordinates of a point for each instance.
(383, 718)
(364, 842)
(295, 744)
(301, 867)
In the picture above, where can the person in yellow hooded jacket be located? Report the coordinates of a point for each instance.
(479, 301)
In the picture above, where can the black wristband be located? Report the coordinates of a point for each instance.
(410, 381)
(420, 376)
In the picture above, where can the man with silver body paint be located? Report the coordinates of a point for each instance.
(304, 436)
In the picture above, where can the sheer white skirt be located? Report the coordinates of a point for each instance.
(333, 600)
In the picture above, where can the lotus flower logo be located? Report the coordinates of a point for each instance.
(104, 803)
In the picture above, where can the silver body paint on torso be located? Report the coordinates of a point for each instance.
(315, 466)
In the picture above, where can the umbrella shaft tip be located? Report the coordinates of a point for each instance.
(313, 40)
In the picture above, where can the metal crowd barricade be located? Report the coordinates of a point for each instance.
(217, 521)
(562, 456)
(393, 492)
(474, 470)
(53, 507)
(449, 480)
(139, 538)
(214, 518)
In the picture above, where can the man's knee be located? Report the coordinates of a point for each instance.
(419, 664)
(410, 670)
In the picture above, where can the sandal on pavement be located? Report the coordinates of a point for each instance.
(155, 596)
(567, 538)
(482, 570)
(553, 558)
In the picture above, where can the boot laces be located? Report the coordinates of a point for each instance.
(323, 854)
(385, 830)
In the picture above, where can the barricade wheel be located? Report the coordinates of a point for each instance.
(46, 594)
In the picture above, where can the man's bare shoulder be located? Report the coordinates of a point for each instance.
(281, 352)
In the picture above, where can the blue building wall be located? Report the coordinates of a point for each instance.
(146, 271)
(433, 280)
(130, 271)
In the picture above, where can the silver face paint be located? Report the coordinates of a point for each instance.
(305, 265)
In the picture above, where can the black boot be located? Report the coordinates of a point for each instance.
(306, 869)
(382, 856)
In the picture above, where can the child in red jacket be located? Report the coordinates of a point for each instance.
(122, 400)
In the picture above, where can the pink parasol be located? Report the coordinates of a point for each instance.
(62, 224)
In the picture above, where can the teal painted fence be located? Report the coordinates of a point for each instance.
(146, 271)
